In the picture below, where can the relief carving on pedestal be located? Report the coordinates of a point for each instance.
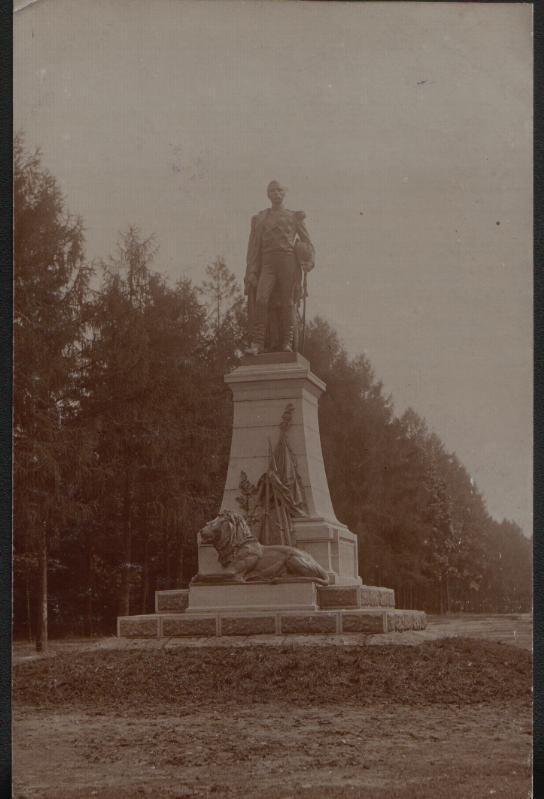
(271, 505)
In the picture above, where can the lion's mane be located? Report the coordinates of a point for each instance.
(232, 533)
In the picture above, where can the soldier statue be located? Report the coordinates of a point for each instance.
(278, 253)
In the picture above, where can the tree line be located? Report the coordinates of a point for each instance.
(122, 426)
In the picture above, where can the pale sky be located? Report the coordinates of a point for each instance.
(404, 130)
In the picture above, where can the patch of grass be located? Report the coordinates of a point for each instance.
(448, 671)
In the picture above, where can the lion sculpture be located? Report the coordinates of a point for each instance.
(246, 560)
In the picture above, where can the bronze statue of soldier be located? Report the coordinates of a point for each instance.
(279, 252)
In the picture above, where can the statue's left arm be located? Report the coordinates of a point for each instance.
(304, 236)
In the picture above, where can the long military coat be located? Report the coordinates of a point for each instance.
(295, 227)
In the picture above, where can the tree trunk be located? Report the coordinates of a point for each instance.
(168, 558)
(441, 595)
(41, 627)
(145, 588)
(89, 597)
(447, 587)
(179, 579)
(28, 606)
(124, 604)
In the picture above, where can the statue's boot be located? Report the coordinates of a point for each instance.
(287, 328)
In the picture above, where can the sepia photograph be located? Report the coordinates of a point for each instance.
(272, 399)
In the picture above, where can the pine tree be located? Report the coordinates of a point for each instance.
(150, 393)
(226, 316)
(50, 285)
(220, 291)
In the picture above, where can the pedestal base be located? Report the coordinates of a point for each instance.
(326, 597)
(286, 608)
(249, 597)
(320, 622)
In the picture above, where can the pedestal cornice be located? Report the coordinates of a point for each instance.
(255, 370)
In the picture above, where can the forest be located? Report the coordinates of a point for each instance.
(122, 433)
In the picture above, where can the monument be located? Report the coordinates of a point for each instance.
(275, 560)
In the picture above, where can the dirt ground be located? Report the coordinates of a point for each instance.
(442, 718)
(276, 751)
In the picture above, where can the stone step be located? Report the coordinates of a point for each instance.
(174, 601)
(328, 597)
(355, 596)
(324, 622)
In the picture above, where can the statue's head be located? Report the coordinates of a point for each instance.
(276, 192)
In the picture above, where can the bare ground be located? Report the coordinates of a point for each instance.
(445, 719)
(276, 751)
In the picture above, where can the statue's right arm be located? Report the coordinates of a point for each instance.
(253, 249)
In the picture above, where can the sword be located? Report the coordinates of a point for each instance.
(304, 295)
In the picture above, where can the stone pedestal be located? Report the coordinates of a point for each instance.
(262, 388)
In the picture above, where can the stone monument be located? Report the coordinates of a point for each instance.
(276, 560)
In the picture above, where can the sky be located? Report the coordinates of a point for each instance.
(403, 130)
